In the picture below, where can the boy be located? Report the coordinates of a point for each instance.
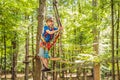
(46, 37)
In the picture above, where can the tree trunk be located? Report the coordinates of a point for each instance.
(1, 58)
(97, 72)
(33, 65)
(117, 45)
(54, 63)
(14, 58)
(0, 65)
(84, 74)
(112, 21)
(26, 56)
(96, 46)
(39, 31)
(5, 54)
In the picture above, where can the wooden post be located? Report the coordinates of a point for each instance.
(84, 74)
(4, 53)
(1, 60)
(53, 63)
(33, 65)
(117, 44)
(1, 53)
(14, 57)
(39, 31)
(112, 39)
(96, 46)
(26, 56)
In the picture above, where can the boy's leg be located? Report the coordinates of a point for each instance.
(44, 62)
(46, 55)
(41, 55)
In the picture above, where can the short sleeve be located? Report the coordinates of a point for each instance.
(46, 28)
(55, 28)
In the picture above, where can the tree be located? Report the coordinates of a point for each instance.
(117, 44)
(39, 31)
(112, 39)
(27, 54)
(14, 56)
(96, 40)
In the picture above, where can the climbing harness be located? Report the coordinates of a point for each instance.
(51, 35)
(48, 45)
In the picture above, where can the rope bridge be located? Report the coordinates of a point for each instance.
(77, 67)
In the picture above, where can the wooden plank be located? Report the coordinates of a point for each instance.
(55, 59)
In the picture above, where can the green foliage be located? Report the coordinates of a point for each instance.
(77, 37)
(14, 25)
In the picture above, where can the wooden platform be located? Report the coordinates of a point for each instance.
(55, 59)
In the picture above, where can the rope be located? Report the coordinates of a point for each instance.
(67, 45)
(56, 13)
(73, 67)
(57, 16)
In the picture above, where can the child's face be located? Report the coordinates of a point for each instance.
(50, 23)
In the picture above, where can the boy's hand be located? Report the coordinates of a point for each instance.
(60, 28)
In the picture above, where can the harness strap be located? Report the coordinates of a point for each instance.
(48, 45)
(45, 44)
(51, 35)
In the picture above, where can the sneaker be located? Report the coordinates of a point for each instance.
(43, 70)
(46, 69)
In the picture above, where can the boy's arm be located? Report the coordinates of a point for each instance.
(55, 30)
(51, 32)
